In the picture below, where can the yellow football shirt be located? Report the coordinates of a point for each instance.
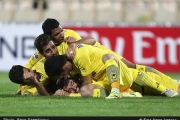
(37, 56)
(88, 60)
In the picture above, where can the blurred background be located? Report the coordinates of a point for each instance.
(132, 11)
(122, 25)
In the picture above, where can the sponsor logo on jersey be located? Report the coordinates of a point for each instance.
(93, 73)
(84, 69)
(36, 55)
(79, 46)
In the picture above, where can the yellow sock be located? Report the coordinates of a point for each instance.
(96, 93)
(113, 74)
(112, 70)
(144, 80)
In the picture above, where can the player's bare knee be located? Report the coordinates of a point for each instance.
(108, 57)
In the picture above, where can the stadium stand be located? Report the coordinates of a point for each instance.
(57, 9)
(133, 11)
(137, 10)
(25, 12)
(7, 8)
(165, 10)
(109, 11)
(82, 10)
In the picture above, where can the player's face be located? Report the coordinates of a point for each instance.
(29, 76)
(72, 87)
(50, 50)
(67, 70)
(57, 35)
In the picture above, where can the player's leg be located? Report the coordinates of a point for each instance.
(145, 90)
(144, 80)
(113, 73)
(144, 68)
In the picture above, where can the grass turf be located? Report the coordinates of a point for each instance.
(12, 105)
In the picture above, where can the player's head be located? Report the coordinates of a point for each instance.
(16, 74)
(21, 75)
(70, 85)
(52, 27)
(45, 45)
(49, 24)
(58, 66)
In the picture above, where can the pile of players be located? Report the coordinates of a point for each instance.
(65, 64)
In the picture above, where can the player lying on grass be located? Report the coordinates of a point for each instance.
(21, 75)
(45, 47)
(71, 87)
(59, 35)
(24, 76)
(53, 28)
(93, 63)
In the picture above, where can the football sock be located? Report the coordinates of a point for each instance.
(113, 73)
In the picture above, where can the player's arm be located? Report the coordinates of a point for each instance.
(73, 42)
(86, 80)
(40, 88)
(93, 90)
(128, 63)
(34, 88)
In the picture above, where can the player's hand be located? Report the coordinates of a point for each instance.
(32, 79)
(69, 39)
(70, 52)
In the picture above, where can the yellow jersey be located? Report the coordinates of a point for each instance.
(88, 60)
(37, 56)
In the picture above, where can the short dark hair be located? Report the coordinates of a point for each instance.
(63, 82)
(49, 24)
(41, 41)
(54, 65)
(16, 74)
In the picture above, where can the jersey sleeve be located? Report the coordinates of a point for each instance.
(39, 67)
(82, 61)
(71, 33)
(33, 60)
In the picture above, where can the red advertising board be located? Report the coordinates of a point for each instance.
(158, 47)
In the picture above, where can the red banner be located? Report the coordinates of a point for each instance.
(158, 47)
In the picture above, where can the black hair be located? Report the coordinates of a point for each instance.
(16, 74)
(49, 24)
(41, 41)
(63, 82)
(54, 65)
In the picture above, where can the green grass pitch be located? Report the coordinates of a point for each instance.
(11, 105)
